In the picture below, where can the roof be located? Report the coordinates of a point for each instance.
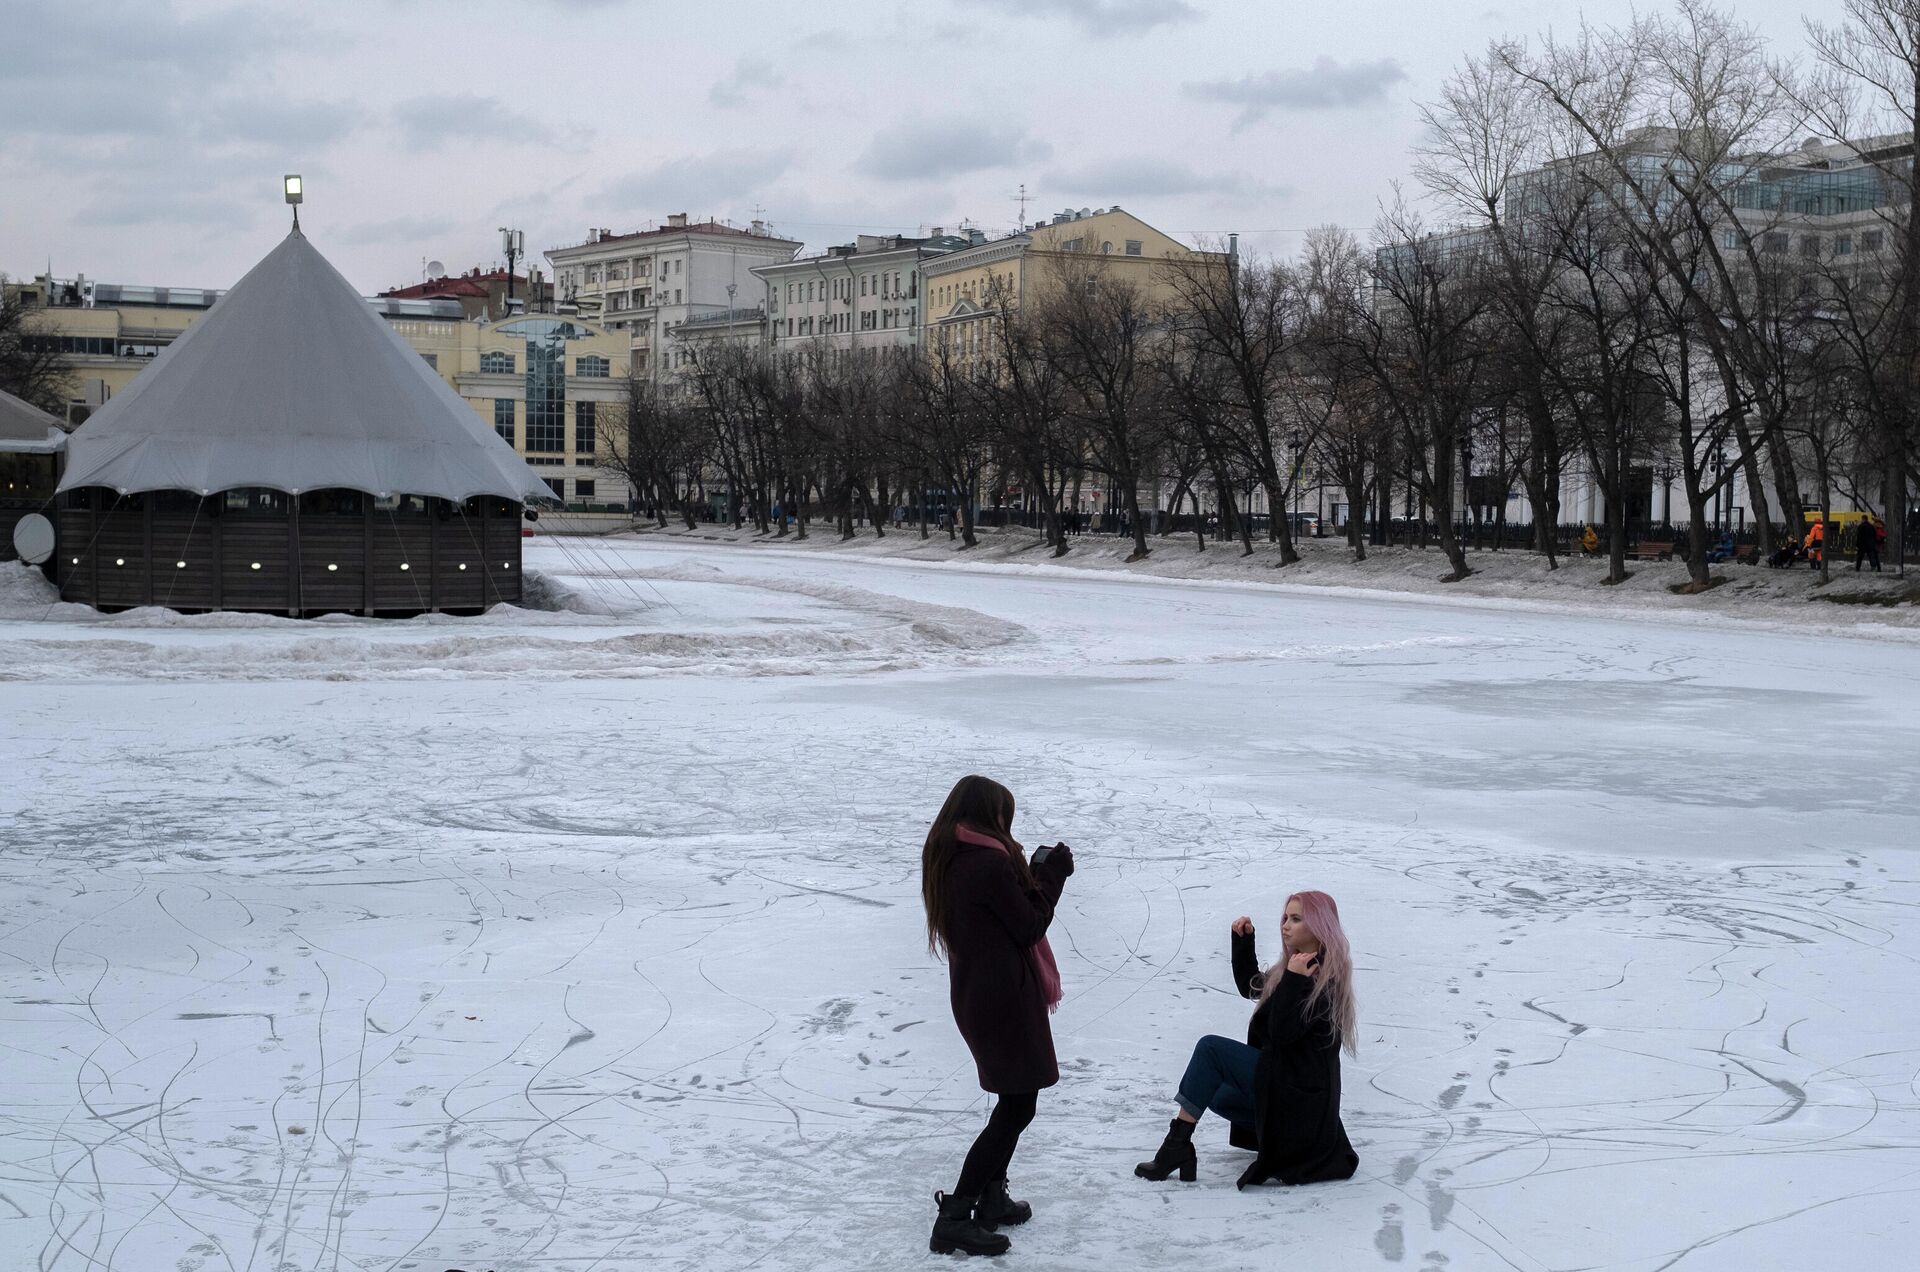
(469, 284)
(293, 382)
(25, 428)
(666, 231)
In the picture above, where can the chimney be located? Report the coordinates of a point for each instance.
(976, 236)
(677, 221)
(759, 228)
(593, 234)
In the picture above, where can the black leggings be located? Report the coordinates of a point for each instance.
(991, 1153)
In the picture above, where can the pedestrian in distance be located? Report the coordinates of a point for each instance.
(1866, 543)
(1280, 1089)
(988, 908)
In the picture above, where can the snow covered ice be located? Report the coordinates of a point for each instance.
(589, 937)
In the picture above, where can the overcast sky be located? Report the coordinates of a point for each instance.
(143, 141)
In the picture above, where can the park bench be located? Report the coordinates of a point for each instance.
(1651, 552)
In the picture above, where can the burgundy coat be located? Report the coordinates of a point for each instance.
(997, 1000)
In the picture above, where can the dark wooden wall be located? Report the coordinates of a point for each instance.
(304, 556)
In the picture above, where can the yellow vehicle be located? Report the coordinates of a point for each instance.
(1841, 519)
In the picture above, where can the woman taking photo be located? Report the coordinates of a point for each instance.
(988, 909)
(1281, 1088)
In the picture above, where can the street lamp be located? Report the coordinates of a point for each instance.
(1719, 491)
(294, 190)
(1293, 440)
(1466, 481)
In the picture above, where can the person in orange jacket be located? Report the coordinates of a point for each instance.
(1816, 544)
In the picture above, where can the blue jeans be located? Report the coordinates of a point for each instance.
(1220, 1077)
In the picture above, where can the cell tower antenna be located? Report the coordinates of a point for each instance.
(1023, 198)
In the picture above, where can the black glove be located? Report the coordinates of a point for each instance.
(1059, 861)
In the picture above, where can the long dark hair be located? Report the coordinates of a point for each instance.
(984, 805)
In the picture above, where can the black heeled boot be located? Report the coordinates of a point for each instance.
(956, 1231)
(995, 1208)
(1176, 1153)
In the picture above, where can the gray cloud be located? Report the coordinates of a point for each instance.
(399, 230)
(701, 184)
(1099, 18)
(1326, 85)
(750, 75)
(943, 148)
(271, 121)
(1130, 178)
(162, 205)
(437, 118)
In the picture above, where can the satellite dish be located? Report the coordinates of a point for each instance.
(33, 538)
(436, 270)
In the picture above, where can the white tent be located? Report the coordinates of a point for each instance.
(293, 382)
(26, 429)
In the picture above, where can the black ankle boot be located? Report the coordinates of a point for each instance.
(956, 1232)
(995, 1208)
(1176, 1153)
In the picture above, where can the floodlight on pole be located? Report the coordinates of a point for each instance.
(295, 191)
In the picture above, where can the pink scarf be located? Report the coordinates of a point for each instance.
(1039, 954)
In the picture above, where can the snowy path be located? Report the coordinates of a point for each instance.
(592, 940)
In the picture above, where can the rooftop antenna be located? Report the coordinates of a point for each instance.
(1023, 198)
(295, 191)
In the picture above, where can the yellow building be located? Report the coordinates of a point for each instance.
(547, 384)
(965, 289)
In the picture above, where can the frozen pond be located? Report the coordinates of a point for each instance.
(592, 939)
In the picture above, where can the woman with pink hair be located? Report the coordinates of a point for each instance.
(1281, 1088)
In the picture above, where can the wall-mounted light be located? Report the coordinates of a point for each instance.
(119, 560)
(463, 565)
(254, 566)
(331, 567)
(405, 566)
(179, 565)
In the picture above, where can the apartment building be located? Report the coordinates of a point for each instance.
(544, 383)
(862, 295)
(648, 283)
(967, 288)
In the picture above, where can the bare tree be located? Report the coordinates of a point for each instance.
(1102, 331)
(1243, 312)
(31, 367)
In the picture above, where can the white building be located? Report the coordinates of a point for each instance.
(649, 282)
(861, 295)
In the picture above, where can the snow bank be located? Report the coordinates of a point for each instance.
(1863, 601)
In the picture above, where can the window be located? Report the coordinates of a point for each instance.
(585, 417)
(1106, 249)
(1774, 241)
(431, 359)
(493, 362)
(503, 418)
(1730, 239)
(1810, 246)
(546, 390)
(676, 295)
(1871, 241)
(583, 488)
(592, 367)
(1843, 245)
(558, 485)
(1133, 247)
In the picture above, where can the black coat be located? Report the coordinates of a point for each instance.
(1297, 1134)
(992, 920)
